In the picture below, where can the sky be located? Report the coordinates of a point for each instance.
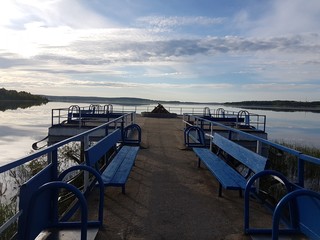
(184, 50)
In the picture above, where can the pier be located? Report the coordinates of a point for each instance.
(168, 197)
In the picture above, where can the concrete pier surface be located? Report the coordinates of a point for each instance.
(168, 197)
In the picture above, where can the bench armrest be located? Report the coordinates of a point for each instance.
(248, 189)
(313, 231)
(101, 186)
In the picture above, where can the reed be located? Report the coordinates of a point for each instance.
(7, 211)
(271, 189)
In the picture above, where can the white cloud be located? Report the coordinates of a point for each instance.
(51, 13)
(165, 23)
(68, 43)
(285, 17)
(280, 87)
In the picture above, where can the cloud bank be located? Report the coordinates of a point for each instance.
(78, 48)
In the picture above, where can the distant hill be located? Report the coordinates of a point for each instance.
(282, 105)
(119, 100)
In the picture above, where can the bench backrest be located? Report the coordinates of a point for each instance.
(251, 159)
(97, 151)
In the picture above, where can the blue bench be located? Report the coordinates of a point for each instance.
(303, 206)
(39, 206)
(117, 171)
(229, 178)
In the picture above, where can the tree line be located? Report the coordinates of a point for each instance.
(14, 95)
(276, 104)
(12, 99)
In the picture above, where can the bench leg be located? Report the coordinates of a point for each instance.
(123, 189)
(240, 193)
(220, 190)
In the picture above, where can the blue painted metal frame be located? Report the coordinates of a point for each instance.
(126, 139)
(308, 222)
(247, 157)
(91, 170)
(26, 192)
(33, 230)
(44, 207)
(301, 206)
(249, 189)
(227, 176)
(196, 134)
(118, 170)
(97, 151)
(301, 157)
(50, 172)
(304, 209)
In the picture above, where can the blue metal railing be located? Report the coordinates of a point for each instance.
(196, 120)
(51, 152)
(238, 119)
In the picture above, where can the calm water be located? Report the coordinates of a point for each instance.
(22, 127)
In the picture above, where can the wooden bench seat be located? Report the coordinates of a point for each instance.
(228, 177)
(117, 171)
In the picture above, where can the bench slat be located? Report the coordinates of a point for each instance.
(111, 169)
(251, 159)
(228, 177)
(124, 170)
(119, 168)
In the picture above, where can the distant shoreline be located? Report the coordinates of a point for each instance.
(280, 109)
(276, 105)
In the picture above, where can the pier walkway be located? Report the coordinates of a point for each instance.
(168, 197)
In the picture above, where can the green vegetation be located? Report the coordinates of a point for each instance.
(288, 164)
(271, 189)
(13, 95)
(11, 99)
(68, 156)
(7, 211)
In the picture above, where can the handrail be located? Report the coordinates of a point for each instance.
(248, 135)
(51, 152)
(55, 146)
(259, 141)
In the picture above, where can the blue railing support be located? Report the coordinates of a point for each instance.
(51, 153)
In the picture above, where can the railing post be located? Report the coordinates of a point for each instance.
(259, 147)
(300, 171)
(52, 117)
(122, 128)
(85, 173)
(53, 159)
(211, 133)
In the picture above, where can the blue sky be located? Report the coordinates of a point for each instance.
(186, 50)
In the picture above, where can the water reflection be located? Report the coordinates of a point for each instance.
(12, 105)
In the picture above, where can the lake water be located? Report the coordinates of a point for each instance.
(20, 128)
